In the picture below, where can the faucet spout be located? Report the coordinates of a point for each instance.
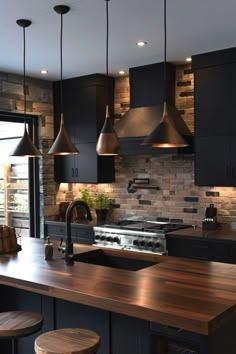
(69, 252)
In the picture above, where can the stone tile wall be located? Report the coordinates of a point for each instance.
(39, 102)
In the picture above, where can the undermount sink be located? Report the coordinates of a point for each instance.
(99, 257)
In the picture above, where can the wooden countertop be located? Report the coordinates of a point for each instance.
(194, 295)
(223, 233)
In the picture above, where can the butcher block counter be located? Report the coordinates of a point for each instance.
(193, 295)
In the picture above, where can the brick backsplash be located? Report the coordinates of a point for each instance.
(178, 197)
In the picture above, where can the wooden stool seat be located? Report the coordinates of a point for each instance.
(19, 323)
(67, 341)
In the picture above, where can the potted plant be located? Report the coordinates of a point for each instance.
(102, 204)
(86, 197)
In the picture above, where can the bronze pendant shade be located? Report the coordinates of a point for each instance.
(108, 142)
(165, 135)
(25, 147)
(62, 144)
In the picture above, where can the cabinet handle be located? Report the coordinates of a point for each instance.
(73, 172)
(76, 172)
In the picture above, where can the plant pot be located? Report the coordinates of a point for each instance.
(101, 216)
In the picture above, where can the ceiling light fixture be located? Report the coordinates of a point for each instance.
(189, 59)
(108, 142)
(25, 147)
(62, 144)
(121, 72)
(43, 72)
(141, 43)
(165, 135)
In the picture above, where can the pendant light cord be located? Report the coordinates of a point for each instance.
(107, 48)
(61, 65)
(24, 86)
(165, 45)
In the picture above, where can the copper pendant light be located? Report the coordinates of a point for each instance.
(62, 144)
(25, 147)
(108, 143)
(165, 135)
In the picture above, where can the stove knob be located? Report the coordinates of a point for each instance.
(97, 237)
(136, 242)
(142, 243)
(116, 239)
(109, 238)
(157, 244)
(103, 237)
(150, 244)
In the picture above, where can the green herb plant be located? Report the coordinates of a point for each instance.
(86, 197)
(101, 201)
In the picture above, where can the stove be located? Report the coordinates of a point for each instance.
(136, 235)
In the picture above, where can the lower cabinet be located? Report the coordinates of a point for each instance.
(209, 250)
(81, 233)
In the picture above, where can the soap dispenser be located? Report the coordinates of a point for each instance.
(48, 249)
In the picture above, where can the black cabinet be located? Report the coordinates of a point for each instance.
(208, 250)
(85, 167)
(84, 101)
(80, 233)
(215, 123)
(182, 247)
(215, 161)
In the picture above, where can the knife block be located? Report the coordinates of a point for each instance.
(209, 225)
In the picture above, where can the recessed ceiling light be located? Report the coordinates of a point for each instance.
(121, 72)
(43, 72)
(141, 43)
(188, 59)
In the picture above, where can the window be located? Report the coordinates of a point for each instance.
(19, 178)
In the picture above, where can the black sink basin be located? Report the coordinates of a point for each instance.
(107, 260)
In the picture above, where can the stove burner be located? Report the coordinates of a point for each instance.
(136, 235)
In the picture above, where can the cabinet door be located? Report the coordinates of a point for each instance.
(80, 114)
(215, 93)
(212, 161)
(65, 168)
(183, 247)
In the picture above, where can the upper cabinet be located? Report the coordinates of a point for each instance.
(84, 101)
(215, 118)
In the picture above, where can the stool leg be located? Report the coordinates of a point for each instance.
(13, 346)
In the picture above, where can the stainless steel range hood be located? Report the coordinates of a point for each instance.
(146, 108)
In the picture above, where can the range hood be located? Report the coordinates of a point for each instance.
(146, 108)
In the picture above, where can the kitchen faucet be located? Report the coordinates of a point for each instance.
(69, 254)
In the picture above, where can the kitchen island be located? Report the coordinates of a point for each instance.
(194, 296)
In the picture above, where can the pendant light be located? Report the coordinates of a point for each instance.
(25, 147)
(62, 144)
(108, 143)
(165, 135)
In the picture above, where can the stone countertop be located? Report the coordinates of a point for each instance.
(193, 295)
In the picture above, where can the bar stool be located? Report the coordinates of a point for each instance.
(67, 341)
(14, 324)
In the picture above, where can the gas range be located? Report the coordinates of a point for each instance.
(136, 235)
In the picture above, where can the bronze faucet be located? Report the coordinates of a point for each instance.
(69, 253)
